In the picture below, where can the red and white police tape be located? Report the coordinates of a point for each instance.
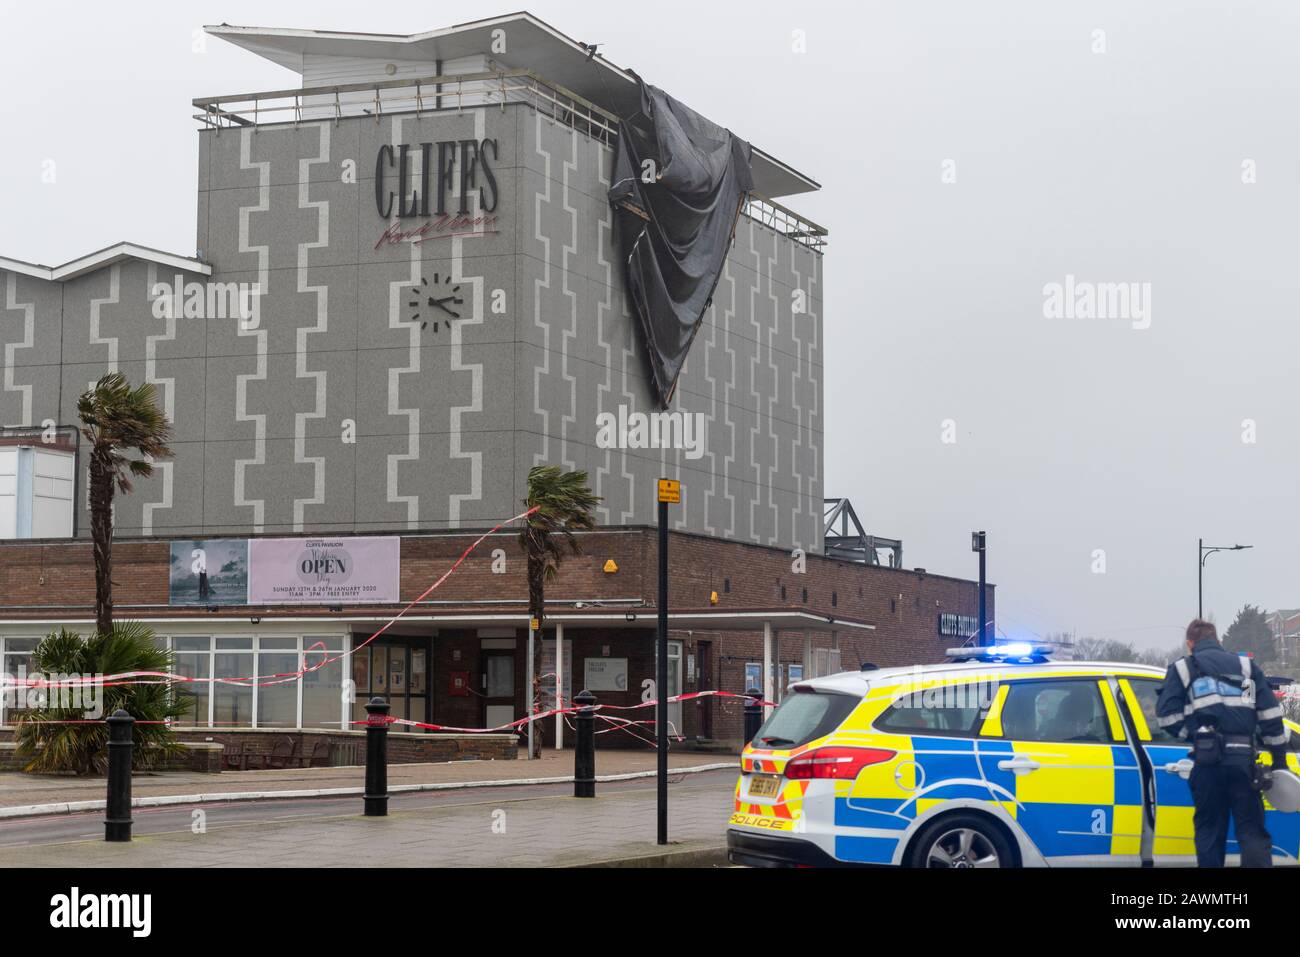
(9, 682)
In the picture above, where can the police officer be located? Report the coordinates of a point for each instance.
(1221, 702)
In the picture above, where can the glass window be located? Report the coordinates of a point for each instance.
(235, 644)
(942, 709)
(793, 674)
(233, 702)
(1147, 692)
(322, 688)
(191, 644)
(277, 704)
(361, 671)
(379, 670)
(397, 709)
(197, 693)
(500, 676)
(1062, 711)
(397, 671)
(278, 644)
(418, 673)
(803, 716)
(17, 663)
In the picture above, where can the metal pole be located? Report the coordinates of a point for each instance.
(984, 622)
(769, 693)
(117, 817)
(528, 689)
(584, 749)
(753, 713)
(1200, 574)
(559, 684)
(375, 799)
(661, 675)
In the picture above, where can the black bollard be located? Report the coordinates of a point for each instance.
(753, 714)
(584, 750)
(376, 797)
(117, 819)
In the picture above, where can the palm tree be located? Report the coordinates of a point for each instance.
(563, 504)
(116, 420)
(69, 738)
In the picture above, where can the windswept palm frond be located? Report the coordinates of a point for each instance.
(563, 504)
(119, 422)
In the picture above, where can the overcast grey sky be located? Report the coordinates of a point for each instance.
(1113, 157)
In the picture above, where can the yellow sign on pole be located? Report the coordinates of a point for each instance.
(670, 491)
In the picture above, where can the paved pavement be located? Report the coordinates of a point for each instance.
(536, 826)
(17, 789)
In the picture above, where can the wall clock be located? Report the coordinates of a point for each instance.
(438, 301)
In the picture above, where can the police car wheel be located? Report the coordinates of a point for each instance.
(960, 841)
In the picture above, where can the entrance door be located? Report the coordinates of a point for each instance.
(395, 669)
(498, 688)
(704, 674)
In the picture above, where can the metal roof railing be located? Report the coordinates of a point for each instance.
(455, 93)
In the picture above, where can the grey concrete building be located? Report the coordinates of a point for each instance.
(405, 292)
(389, 373)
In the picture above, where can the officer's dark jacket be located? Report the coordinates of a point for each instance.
(1208, 688)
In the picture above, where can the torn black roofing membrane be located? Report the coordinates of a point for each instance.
(679, 183)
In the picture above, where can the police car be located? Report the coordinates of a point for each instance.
(1006, 759)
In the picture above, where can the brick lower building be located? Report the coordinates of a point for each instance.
(458, 658)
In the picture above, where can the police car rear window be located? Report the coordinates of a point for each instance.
(803, 717)
(944, 708)
(936, 718)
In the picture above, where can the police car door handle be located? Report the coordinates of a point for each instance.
(1181, 768)
(1019, 765)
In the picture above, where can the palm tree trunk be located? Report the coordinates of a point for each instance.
(101, 534)
(536, 610)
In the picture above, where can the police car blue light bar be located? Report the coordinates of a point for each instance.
(1026, 652)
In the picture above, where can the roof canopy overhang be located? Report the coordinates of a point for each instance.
(109, 256)
(532, 45)
(640, 618)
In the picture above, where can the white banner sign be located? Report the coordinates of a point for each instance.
(318, 571)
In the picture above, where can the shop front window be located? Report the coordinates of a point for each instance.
(277, 699)
(322, 685)
(17, 664)
(196, 694)
(232, 703)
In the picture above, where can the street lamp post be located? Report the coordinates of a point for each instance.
(1204, 552)
(979, 543)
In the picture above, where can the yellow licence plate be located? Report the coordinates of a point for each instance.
(764, 785)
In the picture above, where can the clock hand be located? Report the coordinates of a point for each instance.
(440, 304)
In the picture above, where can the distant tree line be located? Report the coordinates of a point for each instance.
(1249, 633)
(1087, 648)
